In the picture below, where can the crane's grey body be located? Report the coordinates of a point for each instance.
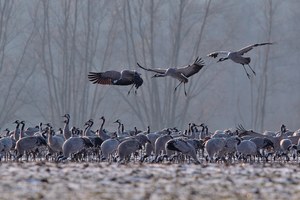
(55, 142)
(174, 73)
(30, 131)
(160, 144)
(285, 144)
(127, 147)
(182, 146)
(275, 140)
(112, 77)
(213, 146)
(66, 131)
(247, 148)
(29, 143)
(6, 144)
(296, 133)
(149, 147)
(74, 145)
(230, 145)
(262, 143)
(237, 56)
(142, 138)
(182, 73)
(109, 147)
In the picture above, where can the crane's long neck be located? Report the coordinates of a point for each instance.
(22, 130)
(193, 131)
(87, 129)
(223, 59)
(135, 131)
(49, 133)
(7, 132)
(16, 133)
(66, 131)
(66, 126)
(122, 128)
(119, 127)
(190, 128)
(41, 127)
(102, 125)
(283, 129)
(102, 134)
(202, 133)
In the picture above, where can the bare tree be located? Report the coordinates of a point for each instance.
(264, 84)
(68, 54)
(158, 105)
(13, 73)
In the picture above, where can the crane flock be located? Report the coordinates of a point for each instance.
(196, 144)
(132, 77)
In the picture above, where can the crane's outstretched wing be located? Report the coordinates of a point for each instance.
(104, 78)
(190, 70)
(157, 70)
(216, 53)
(250, 47)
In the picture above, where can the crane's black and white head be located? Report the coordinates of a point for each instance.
(158, 75)
(283, 128)
(118, 121)
(67, 116)
(89, 123)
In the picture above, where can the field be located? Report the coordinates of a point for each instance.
(46, 180)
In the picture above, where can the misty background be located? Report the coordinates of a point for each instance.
(48, 47)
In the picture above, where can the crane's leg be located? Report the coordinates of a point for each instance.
(177, 86)
(130, 89)
(246, 72)
(252, 70)
(184, 89)
(135, 91)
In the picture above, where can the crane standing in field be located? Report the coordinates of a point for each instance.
(237, 56)
(182, 74)
(112, 77)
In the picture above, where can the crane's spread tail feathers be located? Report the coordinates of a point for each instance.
(138, 81)
(248, 59)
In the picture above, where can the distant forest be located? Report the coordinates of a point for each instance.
(48, 47)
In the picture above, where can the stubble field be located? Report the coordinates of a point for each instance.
(46, 180)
